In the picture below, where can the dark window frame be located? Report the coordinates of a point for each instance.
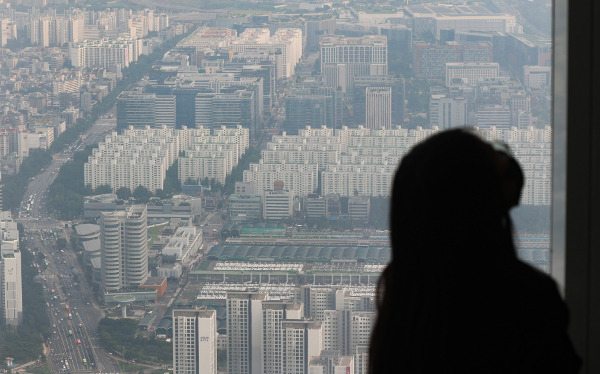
(576, 179)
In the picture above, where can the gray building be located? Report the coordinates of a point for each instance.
(124, 248)
(359, 97)
(308, 110)
(139, 109)
(244, 208)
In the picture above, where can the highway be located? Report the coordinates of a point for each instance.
(74, 344)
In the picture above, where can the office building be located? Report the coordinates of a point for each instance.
(308, 110)
(194, 341)
(315, 206)
(124, 248)
(359, 99)
(359, 208)
(429, 60)
(399, 38)
(447, 112)
(470, 73)
(11, 282)
(226, 108)
(537, 76)
(432, 18)
(244, 208)
(143, 109)
(343, 58)
(315, 29)
(278, 203)
(378, 102)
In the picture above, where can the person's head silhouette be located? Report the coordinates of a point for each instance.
(450, 236)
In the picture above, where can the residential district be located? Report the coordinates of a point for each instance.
(194, 190)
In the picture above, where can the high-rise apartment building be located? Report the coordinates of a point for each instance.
(344, 58)
(244, 332)
(11, 282)
(124, 248)
(301, 341)
(8, 31)
(194, 341)
(274, 313)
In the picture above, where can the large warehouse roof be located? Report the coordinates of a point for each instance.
(300, 252)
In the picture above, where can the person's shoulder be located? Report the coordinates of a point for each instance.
(533, 284)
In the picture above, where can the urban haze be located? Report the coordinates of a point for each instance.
(202, 186)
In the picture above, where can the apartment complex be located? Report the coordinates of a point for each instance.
(362, 161)
(106, 53)
(141, 156)
(124, 248)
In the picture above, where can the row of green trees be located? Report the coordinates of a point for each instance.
(25, 344)
(119, 335)
(14, 185)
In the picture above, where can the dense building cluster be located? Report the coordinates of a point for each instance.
(307, 329)
(142, 156)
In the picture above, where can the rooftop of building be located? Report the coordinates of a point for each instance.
(155, 281)
(84, 229)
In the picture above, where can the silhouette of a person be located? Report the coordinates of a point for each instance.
(455, 298)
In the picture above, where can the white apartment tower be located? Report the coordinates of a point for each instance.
(194, 341)
(11, 282)
(124, 248)
(244, 332)
(274, 313)
(301, 340)
(378, 108)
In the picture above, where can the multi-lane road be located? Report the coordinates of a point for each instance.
(74, 345)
